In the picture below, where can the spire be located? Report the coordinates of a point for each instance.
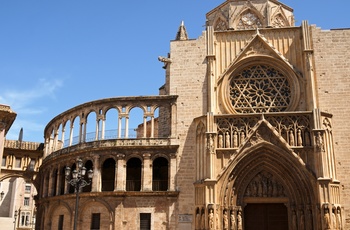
(181, 33)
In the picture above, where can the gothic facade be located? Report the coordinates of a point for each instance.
(249, 131)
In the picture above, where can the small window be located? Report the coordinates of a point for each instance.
(95, 221)
(18, 163)
(60, 222)
(28, 188)
(26, 201)
(145, 221)
(32, 164)
(3, 163)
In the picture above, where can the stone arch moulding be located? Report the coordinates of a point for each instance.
(291, 75)
(298, 183)
(253, 24)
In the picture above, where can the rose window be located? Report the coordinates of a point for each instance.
(260, 89)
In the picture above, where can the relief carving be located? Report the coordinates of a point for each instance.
(264, 185)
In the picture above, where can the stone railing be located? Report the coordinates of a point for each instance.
(24, 145)
(111, 118)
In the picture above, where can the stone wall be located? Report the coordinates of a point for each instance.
(332, 66)
(188, 80)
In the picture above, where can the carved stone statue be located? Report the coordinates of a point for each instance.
(225, 220)
(227, 140)
(221, 141)
(338, 219)
(235, 139)
(239, 221)
(291, 138)
(211, 219)
(300, 139)
(327, 219)
(233, 220)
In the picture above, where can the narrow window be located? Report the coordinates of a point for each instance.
(95, 221)
(3, 163)
(145, 221)
(18, 163)
(28, 188)
(60, 222)
(26, 201)
(133, 174)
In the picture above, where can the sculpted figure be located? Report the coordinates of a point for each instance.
(239, 221)
(227, 140)
(225, 220)
(338, 219)
(327, 219)
(235, 139)
(233, 221)
(221, 141)
(211, 219)
(291, 138)
(300, 139)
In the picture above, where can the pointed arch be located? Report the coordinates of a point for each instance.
(298, 183)
(249, 18)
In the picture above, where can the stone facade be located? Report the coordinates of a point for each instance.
(249, 131)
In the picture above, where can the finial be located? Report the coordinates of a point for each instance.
(182, 33)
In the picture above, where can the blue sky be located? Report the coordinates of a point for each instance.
(55, 55)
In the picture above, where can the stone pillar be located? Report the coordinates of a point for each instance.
(121, 173)
(147, 172)
(172, 172)
(96, 178)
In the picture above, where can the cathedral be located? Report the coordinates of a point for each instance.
(249, 131)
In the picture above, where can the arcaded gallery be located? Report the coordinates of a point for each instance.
(249, 132)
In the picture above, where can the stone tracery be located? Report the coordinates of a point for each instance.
(260, 88)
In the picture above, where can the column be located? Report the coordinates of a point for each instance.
(96, 178)
(147, 172)
(121, 172)
(172, 172)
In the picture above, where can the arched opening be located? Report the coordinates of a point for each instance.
(54, 183)
(88, 166)
(133, 174)
(72, 188)
(62, 181)
(108, 175)
(160, 174)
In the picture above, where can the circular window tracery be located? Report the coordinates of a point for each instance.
(259, 89)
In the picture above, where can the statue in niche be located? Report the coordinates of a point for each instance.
(338, 219)
(221, 141)
(327, 219)
(211, 219)
(225, 220)
(227, 140)
(300, 139)
(239, 220)
(319, 141)
(233, 220)
(203, 220)
(235, 139)
(291, 138)
(242, 138)
(334, 219)
(198, 220)
(211, 143)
